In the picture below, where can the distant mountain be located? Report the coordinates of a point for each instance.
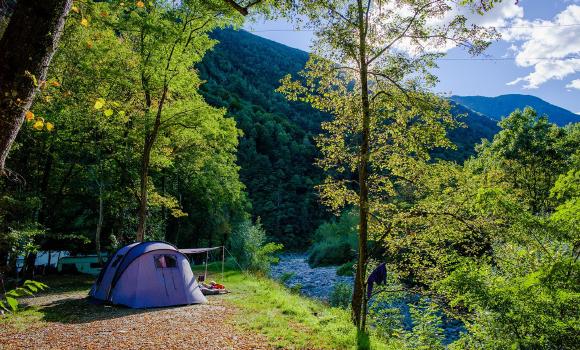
(501, 106)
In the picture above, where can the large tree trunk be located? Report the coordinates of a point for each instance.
(26, 49)
(358, 296)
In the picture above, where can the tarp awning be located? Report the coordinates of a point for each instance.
(198, 250)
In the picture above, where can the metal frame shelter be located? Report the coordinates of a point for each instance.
(206, 251)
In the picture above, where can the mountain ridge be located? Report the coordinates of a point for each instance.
(500, 106)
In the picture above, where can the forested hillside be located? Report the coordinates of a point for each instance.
(277, 152)
(501, 106)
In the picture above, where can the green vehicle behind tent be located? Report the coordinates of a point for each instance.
(88, 264)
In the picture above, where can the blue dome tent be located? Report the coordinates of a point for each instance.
(145, 275)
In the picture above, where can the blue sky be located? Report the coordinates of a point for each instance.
(539, 51)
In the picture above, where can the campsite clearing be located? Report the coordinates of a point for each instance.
(67, 320)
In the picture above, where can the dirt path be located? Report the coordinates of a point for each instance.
(69, 321)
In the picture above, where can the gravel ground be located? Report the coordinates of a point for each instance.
(70, 321)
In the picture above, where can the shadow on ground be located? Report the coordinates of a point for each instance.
(67, 301)
(82, 310)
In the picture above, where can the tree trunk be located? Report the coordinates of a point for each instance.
(150, 139)
(29, 266)
(26, 49)
(99, 225)
(358, 296)
(143, 190)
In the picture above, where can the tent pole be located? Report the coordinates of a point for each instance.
(206, 259)
(223, 259)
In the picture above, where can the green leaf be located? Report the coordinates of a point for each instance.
(37, 284)
(4, 306)
(31, 288)
(99, 103)
(14, 293)
(12, 302)
(108, 112)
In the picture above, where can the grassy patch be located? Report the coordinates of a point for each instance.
(290, 320)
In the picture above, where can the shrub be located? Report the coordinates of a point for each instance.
(341, 295)
(286, 276)
(346, 269)
(296, 288)
(335, 242)
(427, 332)
(248, 245)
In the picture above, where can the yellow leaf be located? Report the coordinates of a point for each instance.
(29, 116)
(49, 126)
(122, 116)
(99, 103)
(84, 22)
(55, 83)
(75, 9)
(38, 125)
(140, 4)
(108, 112)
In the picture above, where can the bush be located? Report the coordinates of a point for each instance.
(296, 288)
(346, 269)
(248, 245)
(335, 242)
(286, 276)
(427, 332)
(341, 295)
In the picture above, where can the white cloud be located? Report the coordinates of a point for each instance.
(574, 84)
(552, 48)
(501, 15)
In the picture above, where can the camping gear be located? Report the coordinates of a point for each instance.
(378, 276)
(147, 274)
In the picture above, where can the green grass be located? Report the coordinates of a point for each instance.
(289, 320)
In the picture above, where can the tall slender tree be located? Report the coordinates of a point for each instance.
(372, 61)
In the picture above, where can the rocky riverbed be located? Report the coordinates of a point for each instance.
(319, 282)
(313, 282)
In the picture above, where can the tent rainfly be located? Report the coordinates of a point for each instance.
(147, 274)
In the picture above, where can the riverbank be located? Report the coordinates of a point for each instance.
(318, 283)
